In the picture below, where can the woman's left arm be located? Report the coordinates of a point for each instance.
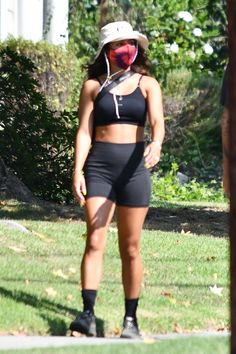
(156, 121)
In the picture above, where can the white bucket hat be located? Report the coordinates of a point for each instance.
(117, 31)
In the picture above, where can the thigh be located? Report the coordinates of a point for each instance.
(99, 212)
(99, 173)
(130, 223)
(136, 191)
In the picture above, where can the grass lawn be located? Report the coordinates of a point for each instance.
(40, 272)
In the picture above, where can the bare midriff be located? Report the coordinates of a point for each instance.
(119, 133)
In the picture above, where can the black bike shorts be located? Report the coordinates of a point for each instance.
(117, 172)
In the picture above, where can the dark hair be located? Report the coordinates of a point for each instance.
(141, 64)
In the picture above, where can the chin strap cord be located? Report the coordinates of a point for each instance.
(109, 77)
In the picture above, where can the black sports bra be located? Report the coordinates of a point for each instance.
(120, 109)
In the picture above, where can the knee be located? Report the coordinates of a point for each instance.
(95, 242)
(130, 252)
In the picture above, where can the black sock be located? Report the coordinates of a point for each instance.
(89, 297)
(131, 307)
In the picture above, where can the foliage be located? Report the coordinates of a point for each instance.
(181, 34)
(83, 27)
(184, 33)
(35, 142)
(168, 187)
(43, 101)
(57, 70)
(193, 134)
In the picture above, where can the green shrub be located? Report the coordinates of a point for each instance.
(57, 70)
(35, 142)
(39, 94)
(168, 188)
(193, 133)
(183, 34)
(38, 100)
(174, 40)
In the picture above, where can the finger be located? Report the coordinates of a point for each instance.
(78, 195)
(83, 187)
(146, 151)
(148, 159)
(156, 159)
(151, 161)
(82, 202)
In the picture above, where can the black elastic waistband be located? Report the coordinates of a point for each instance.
(138, 143)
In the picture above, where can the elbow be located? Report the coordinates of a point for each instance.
(85, 137)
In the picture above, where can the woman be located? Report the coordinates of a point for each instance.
(110, 149)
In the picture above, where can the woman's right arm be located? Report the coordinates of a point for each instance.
(83, 139)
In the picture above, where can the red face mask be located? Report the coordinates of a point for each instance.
(122, 56)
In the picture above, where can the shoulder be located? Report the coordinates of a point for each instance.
(90, 84)
(90, 87)
(149, 83)
(149, 80)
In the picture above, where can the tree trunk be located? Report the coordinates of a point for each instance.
(232, 165)
(104, 12)
(12, 188)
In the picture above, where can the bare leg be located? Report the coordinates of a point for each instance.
(130, 222)
(99, 212)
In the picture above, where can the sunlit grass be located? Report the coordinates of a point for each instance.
(40, 272)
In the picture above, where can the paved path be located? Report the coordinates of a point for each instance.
(29, 342)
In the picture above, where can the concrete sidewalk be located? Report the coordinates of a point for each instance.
(30, 342)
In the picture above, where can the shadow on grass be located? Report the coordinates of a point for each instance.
(168, 218)
(165, 284)
(194, 220)
(44, 211)
(56, 325)
(41, 281)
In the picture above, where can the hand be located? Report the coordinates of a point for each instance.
(152, 155)
(79, 187)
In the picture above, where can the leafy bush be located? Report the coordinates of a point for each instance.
(193, 134)
(83, 28)
(37, 131)
(186, 33)
(182, 33)
(35, 142)
(169, 188)
(57, 70)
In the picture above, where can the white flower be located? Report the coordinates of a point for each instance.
(197, 32)
(155, 62)
(208, 49)
(192, 54)
(185, 15)
(154, 33)
(174, 48)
